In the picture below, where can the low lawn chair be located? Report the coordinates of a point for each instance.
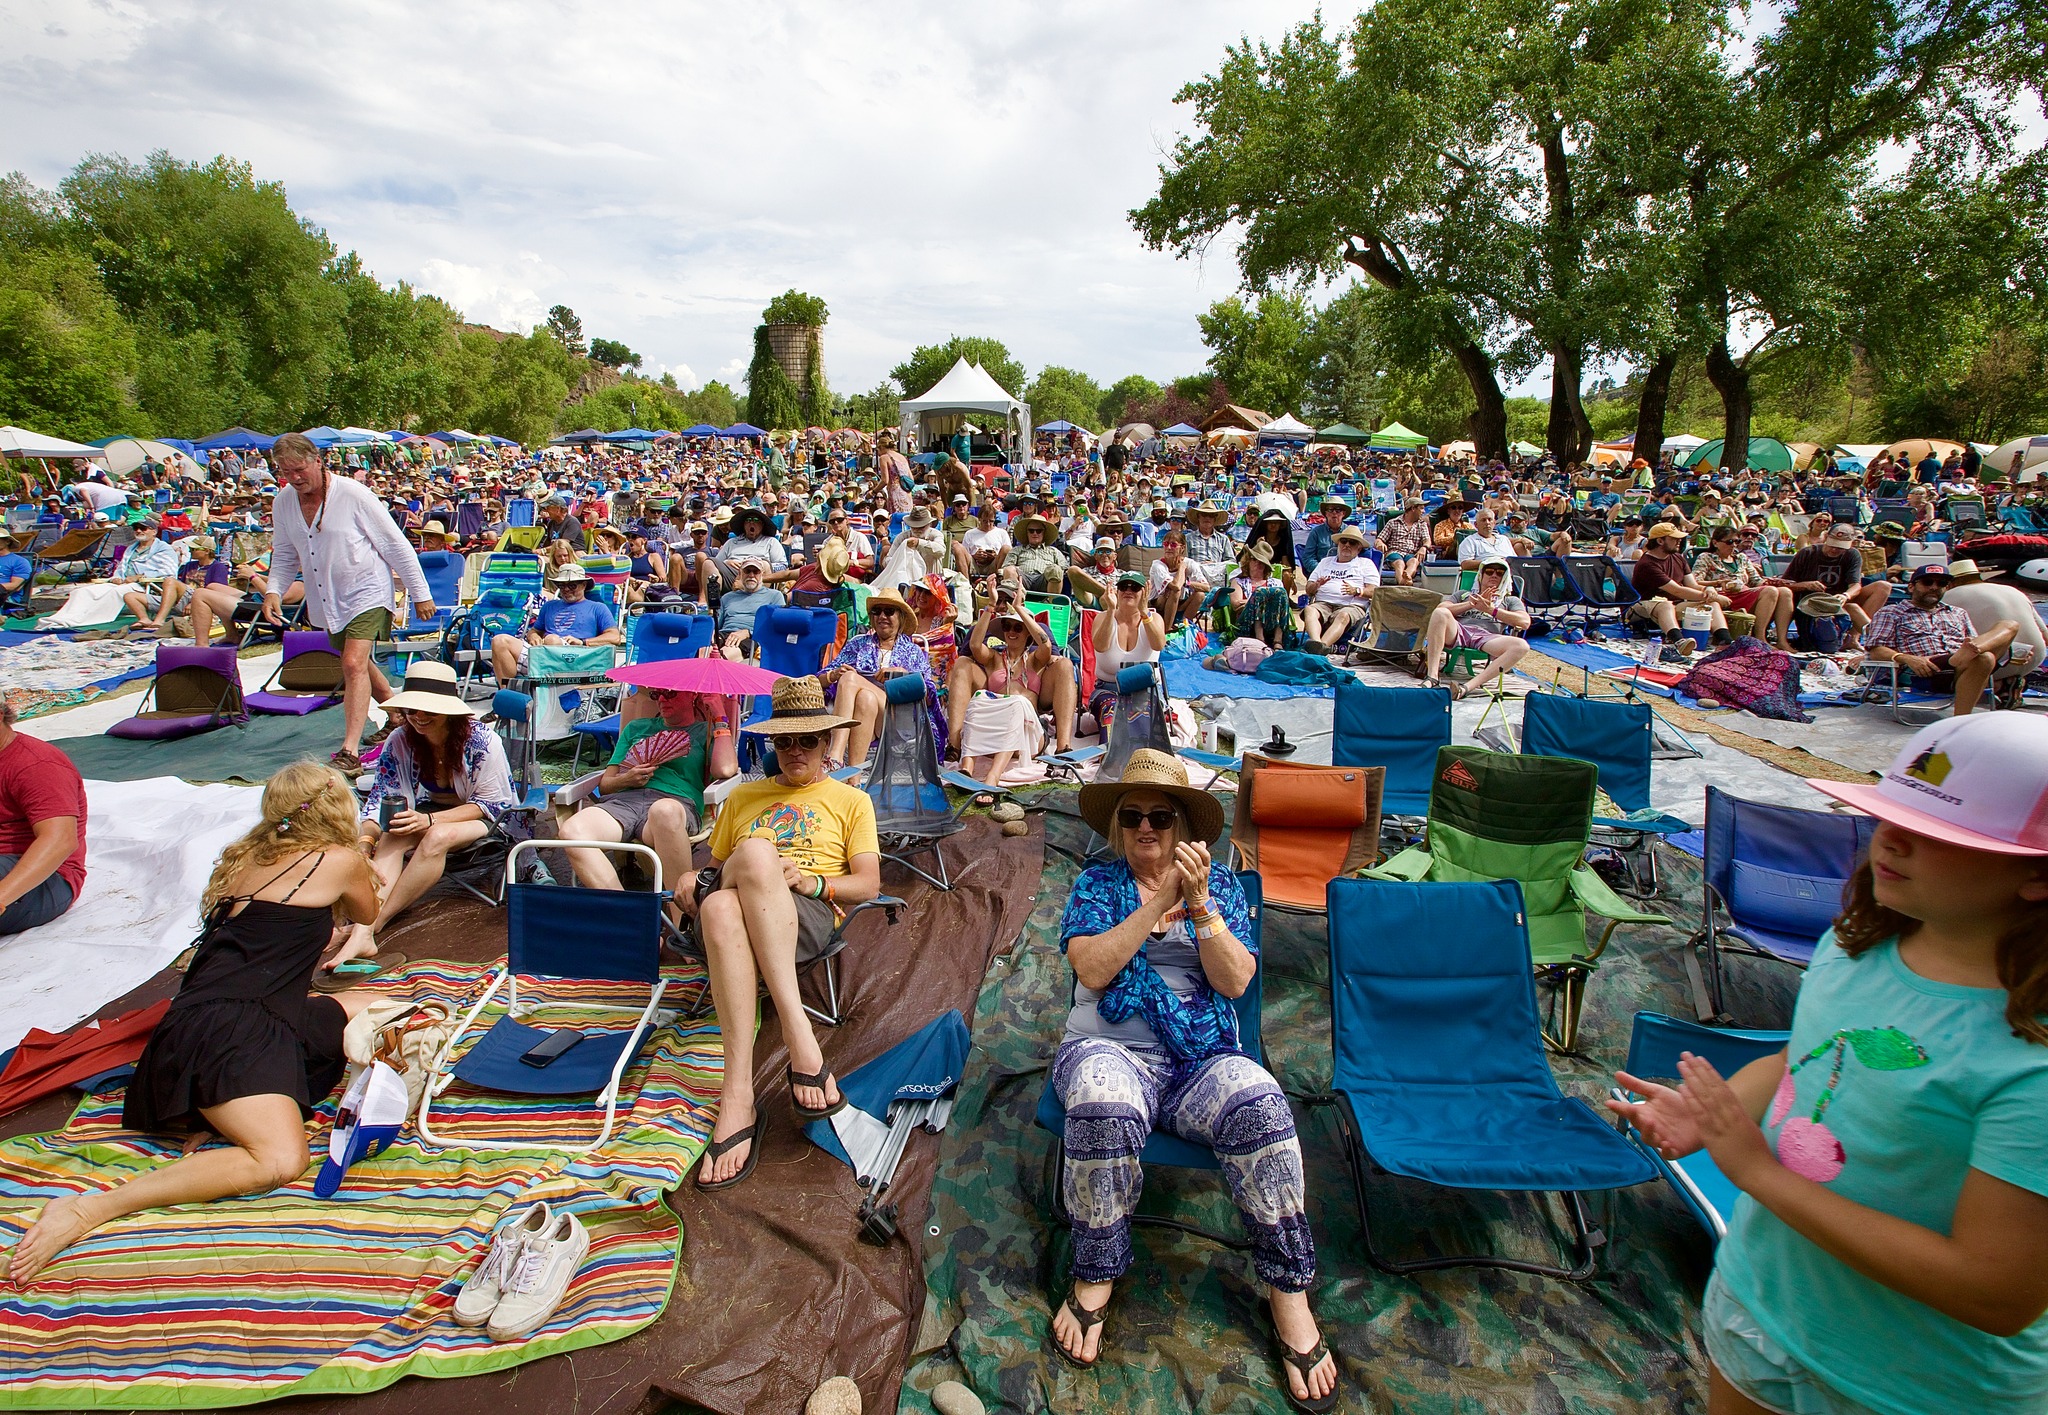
(569, 933)
(1774, 877)
(1653, 1050)
(1396, 728)
(912, 814)
(1498, 815)
(1618, 737)
(1160, 1147)
(1395, 625)
(74, 548)
(1300, 825)
(306, 679)
(1139, 719)
(196, 689)
(1545, 586)
(1439, 1068)
(1605, 590)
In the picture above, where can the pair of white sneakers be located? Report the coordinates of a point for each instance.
(525, 1275)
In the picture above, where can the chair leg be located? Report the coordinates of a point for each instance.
(830, 1017)
(941, 880)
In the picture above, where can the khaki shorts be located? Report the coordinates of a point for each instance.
(630, 809)
(371, 624)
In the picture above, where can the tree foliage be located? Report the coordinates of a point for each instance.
(773, 400)
(1132, 390)
(795, 307)
(1261, 352)
(612, 354)
(1064, 394)
(567, 329)
(929, 363)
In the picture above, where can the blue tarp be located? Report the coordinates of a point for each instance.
(1186, 678)
(922, 1067)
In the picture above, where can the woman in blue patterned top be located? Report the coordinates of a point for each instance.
(855, 676)
(1160, 940)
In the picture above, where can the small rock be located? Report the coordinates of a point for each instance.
(1006, 811)
(838, 1396)
(1016, 827)
(952, 1398)
(1710, 702)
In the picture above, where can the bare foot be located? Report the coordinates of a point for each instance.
(733, 1117)
(1066, 1330)
(61, 1224)
(361, 944)
(1297, 1328)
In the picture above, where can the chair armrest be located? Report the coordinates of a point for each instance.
(1410, 866)
(583, 788)
(1596, 895)
(888, 903)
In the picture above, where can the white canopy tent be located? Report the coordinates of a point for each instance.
(1681, 443)
(20, 442)
(967, 388)
(1286, 428)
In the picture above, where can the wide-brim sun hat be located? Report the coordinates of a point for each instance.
(889, 599)
(797, 705)
(1969, 572)
(430, 687)
(1150, 770)
(568, 574)
(834, 559)
(1979, 781)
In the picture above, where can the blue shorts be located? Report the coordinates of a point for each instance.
(1760, 1368)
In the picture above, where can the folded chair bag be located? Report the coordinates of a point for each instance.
(1301, 825)
(307, 679)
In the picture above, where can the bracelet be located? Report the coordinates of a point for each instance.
(831, 892)
(817, 886)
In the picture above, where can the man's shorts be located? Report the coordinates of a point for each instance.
(1344, 616)
(40, 905)
(1471, 636)
(1395, 557)
(630, 809)
(815, 918)
(371, 624)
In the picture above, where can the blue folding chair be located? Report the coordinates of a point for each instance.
(444, 570)
(1618, 737)
(1605, 591)
(792, 642)
(1399, 729)
(1653, 1049)
(1777, 875)
(1161, 1148)
(519, 511)
(1439, 1068)
(656, 636)
(571, 933)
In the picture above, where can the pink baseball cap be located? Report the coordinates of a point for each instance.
(1979, 781)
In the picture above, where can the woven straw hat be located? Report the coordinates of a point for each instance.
(798, 705)
(1150, 770)
(833, 560)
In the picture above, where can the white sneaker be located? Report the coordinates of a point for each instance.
(540, 1278)
(479, 1296)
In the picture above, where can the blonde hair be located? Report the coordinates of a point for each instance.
(306, 806)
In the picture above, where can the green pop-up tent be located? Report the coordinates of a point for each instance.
(1343, 432)
(1766, 454)
(1393, 435)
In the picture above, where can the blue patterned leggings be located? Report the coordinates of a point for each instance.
(1117, 1095)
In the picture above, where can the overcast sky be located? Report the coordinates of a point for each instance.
(928, 167)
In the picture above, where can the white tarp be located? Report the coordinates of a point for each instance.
(149, 847)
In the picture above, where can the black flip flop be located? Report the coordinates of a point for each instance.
(717, 1148)
(1304, 1362)
(1089, 1318)
(823, 1081)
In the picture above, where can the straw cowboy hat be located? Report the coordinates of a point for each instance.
(1968, 572)
(1033, 522)
(1259, 550)
(1150, 770)
(798, 705)
(433, 528)
(834, 559)
(888, 598)
(430, 687)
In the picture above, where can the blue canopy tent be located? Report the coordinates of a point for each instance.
(236, 439)
(324, 437)
(699, 430)
(582, 434)
(190, 449)
(631, 434)
(1181, 430)
(501, 441)
(743, 430)
(1058, 425)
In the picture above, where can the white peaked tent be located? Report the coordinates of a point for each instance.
(1286, 428)
(20, 442)
(966, 388)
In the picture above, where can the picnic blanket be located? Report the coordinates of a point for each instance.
(243, 1300)
(1186, 678)
(50, 672)
(250, 752)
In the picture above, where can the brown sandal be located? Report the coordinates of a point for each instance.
(1088, 1319)
(1304, 1362)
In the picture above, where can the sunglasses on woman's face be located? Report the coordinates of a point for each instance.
(797, 742)
(881, 609)
(1131, 819)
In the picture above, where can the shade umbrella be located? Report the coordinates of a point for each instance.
(2033, 453)
(1914, 449)
(722, 676)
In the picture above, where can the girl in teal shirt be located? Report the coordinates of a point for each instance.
(1890, 1251)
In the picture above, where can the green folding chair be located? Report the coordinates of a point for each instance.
(1499, 815)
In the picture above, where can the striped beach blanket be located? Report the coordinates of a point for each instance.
(243, 1300)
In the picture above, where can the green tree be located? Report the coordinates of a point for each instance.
(566, 328)
(612, 354)
(875, 410)
(1064, 394)
(714, 403)
(529, 377)
(398, 347)
(67, 358)
(795, 307)
(930, 363)
(1262, 352)
(1346, 362)
(1118, 399)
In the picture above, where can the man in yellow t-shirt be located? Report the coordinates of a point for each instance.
(794, 852)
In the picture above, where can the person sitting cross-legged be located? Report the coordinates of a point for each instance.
(1160, 940)
(793, 850)
(1933, 641)
(1482, 619)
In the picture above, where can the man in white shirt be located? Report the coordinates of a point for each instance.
(1178, 585)
(1484, 543)
(983, 549)
(1341, 588)
(99, 495)
(334, 533)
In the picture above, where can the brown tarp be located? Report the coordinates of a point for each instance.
(775, 1293)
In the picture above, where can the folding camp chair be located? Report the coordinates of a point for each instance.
(306, 679)
(1654, 1046)
(1300, 825)
(1604, 590)
(196, 689)
(1439, 1068)
(1895, 511)
(1139, 719)
(1396, 728)
(512, 711)
(570, 933)
(469, 521)
(651, 637)
(1618, 737)
(1847, 510)
(912, 814)
(1498, 815)
(1545, 587)
(1160, 1147)
(1777, 874)
(520, 538)
(444, 570)
(560, 679)
(1395, 624)
(69, 555)
(519, 513)
(1965, 514)
(1056, 613)
(791, 642)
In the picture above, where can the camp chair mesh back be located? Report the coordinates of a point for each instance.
(1617, 737)
(1604, 589)
(195, 690)
(1396, 728)
(1438, 1061)
(1056, 613)
(1654, 1046)
(1497, 815)
(912, 814)
(1396, 622)
(571, 933)
(1543, 584)
(307, 677)
(1300, 825)
(1774, 879)
(1139, 719)
(444, 570)
(1160, 1147)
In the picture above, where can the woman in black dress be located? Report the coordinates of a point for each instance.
(245, 1051)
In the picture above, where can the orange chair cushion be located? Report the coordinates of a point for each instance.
(1326, 799)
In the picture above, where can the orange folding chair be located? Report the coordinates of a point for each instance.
(1301, 825)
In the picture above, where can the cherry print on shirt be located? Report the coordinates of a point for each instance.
(1805, 1145)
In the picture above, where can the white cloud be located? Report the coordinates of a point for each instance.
(685, 377)
(732, 371)
(666, 168)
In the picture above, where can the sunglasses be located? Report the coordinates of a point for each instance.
(889, 610)
(800, 742)
(1160, 819)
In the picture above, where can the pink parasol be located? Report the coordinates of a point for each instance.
(699, 675)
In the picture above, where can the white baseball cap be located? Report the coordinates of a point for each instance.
(1979, 781)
